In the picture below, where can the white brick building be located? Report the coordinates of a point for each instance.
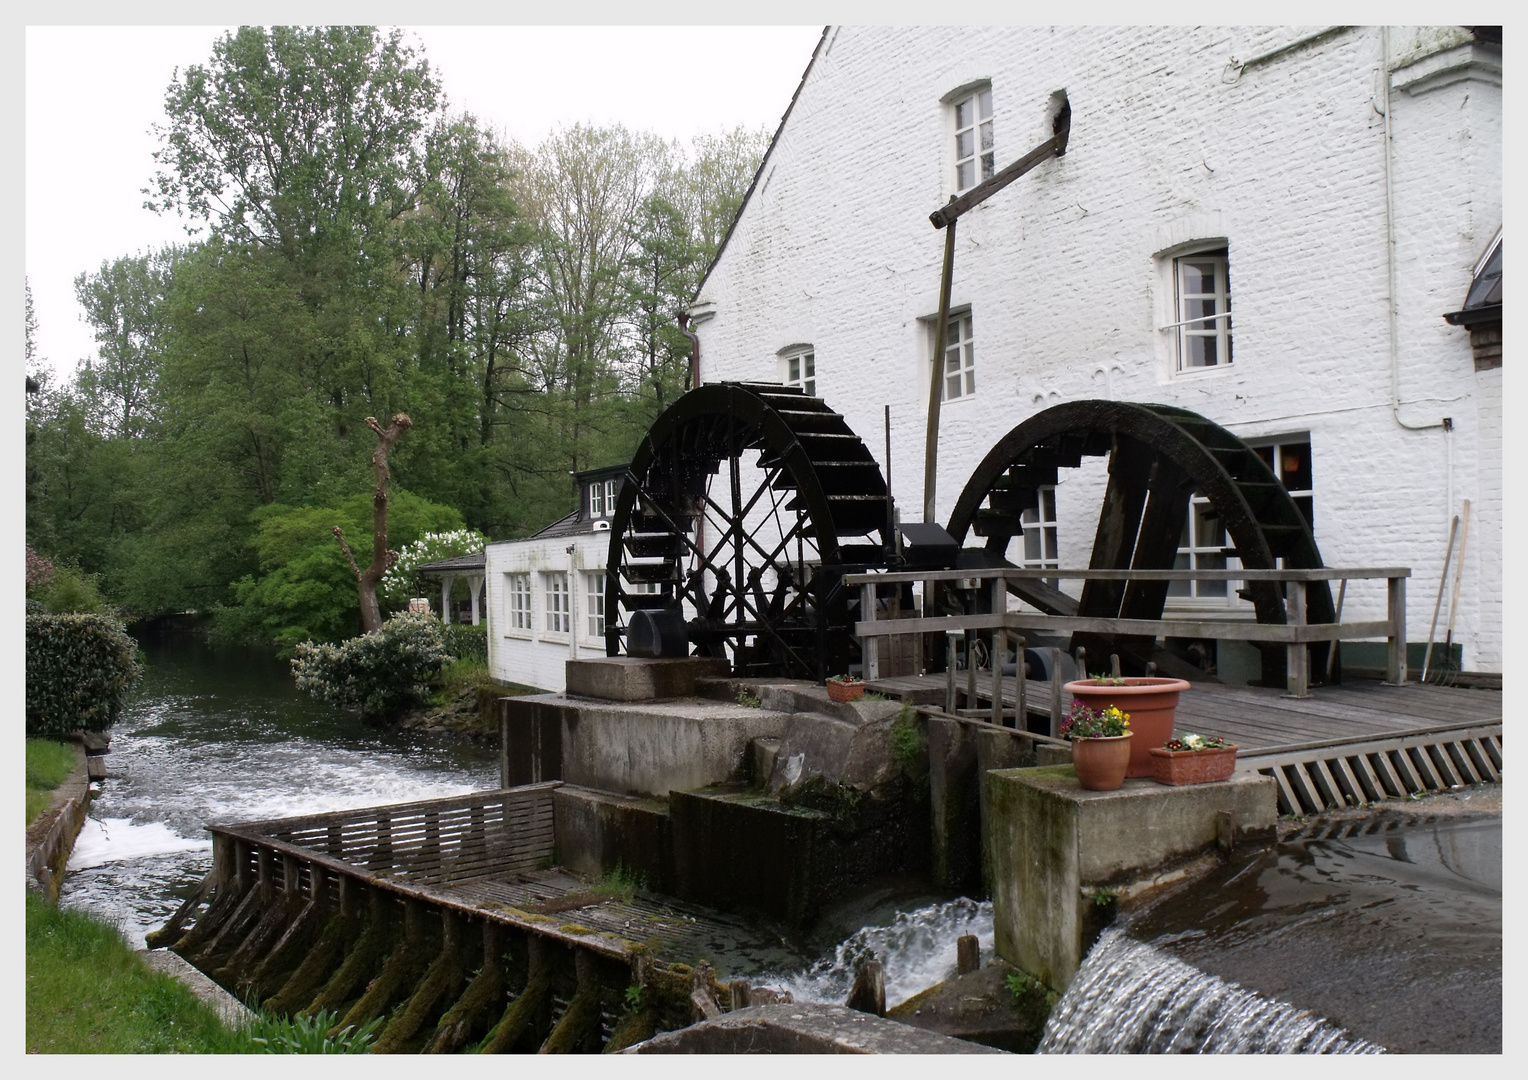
(546, 593)
(1197, 155)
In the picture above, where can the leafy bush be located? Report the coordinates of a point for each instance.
(380, 674)
(303, 1034)
(59, 589)
(306, 589)
(80, 669)
(467, 642)
(402, 581)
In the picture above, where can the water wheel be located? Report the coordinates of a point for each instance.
(1158, 457)
(743, 508)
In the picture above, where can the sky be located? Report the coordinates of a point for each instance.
(93, 93)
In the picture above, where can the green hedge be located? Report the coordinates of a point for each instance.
(466, 642)
(379, 674)
(80, 669)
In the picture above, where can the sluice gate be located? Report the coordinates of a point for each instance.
(447, 919)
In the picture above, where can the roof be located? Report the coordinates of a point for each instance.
(1483, 302)
(563, 526)
(458, 564)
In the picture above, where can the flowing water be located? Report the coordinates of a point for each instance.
(218, 735)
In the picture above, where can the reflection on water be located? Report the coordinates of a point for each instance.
(217, 735)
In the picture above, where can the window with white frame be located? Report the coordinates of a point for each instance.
(602, 495)
(594, 605)
(554, 590)
(1202, 284)
(800, 369)
(518, 590)
(974, 161)
(959, 359)
(1041, 551)
(1204, 541)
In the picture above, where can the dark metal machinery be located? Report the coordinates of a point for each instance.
(1158, 457)
(743, 508)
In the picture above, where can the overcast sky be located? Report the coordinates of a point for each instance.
(93, 93)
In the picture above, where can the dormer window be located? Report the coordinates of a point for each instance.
(602, 495)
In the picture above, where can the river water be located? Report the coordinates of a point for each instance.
(222, 734)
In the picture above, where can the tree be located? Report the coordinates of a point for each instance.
(124, 304)
(381, 558)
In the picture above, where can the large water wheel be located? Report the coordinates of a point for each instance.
(743, 508)
(1158, 457)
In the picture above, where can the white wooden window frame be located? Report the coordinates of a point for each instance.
(556, 598)
(972, 127)
(1041, 550)
(594, 606)
(959, 374)
(1201, 316)
(521, 621)
(798, 367)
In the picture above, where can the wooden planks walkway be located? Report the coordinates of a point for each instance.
(1261, 719)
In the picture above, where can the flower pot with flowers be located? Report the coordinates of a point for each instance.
(845, 688)
(1100, 744)
(1194, 759)
(1153, 702)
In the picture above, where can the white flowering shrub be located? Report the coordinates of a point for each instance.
(380, 674)
(403, 580)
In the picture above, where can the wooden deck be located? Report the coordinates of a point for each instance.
(1260, 719)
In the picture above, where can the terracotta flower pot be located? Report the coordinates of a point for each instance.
(1177, 767)
(1151, 703)
(845, 691)
(1101, 763)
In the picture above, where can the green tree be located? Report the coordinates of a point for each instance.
(123, 303)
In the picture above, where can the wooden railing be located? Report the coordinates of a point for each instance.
(1296, 634)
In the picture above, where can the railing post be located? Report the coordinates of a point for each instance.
(868, 643)
(999, 635)
(1297, 653)
(1055, 689)
(1395, 665)
(949, 672)
(1021, 680)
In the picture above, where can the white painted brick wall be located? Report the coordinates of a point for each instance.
(835, 249)
(536, 658)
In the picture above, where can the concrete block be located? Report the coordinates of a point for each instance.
(1050, 840)
(661, 747)
(741, 851)
(627, 678)
(803, 1029)
(598, 832)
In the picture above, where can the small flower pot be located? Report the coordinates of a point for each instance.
(1151, 702)
(838, 690)
(1101, 763)
(1178, 767)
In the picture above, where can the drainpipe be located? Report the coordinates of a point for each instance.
(692, 377)
(1391, 321)
(572, 605)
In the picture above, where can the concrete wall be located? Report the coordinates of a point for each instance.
(1067, 272)
(535, 657)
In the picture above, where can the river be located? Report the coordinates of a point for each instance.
(221, 734)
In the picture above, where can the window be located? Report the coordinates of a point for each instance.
(1204, 539)
(1040, 547)
(519, 590)
(558, 616)
(1203, 287)
(959, 359)
(973, 138)
(594, 605)
(801, 370)
(602, 498)
(1290, 462)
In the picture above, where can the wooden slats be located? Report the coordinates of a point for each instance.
(1357, 772)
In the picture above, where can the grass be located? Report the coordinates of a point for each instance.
(88, 992)
(49, 764)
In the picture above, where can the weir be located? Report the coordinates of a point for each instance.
(661, 829)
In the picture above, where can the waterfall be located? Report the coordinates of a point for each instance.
(1129, 998)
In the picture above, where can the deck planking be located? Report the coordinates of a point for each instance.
(1261, 718)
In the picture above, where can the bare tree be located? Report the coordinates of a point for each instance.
(381, 559)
